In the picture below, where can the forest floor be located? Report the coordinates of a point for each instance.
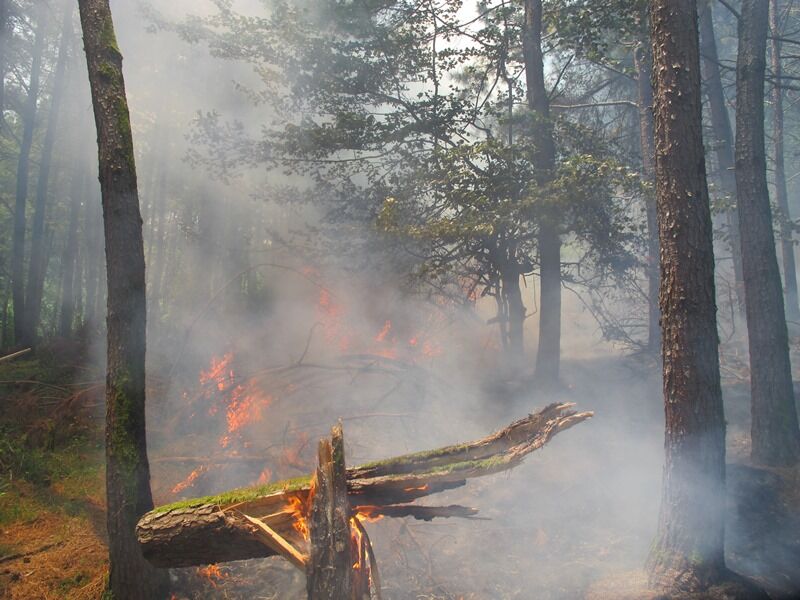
(574, 521)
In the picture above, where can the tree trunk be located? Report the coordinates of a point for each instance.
(329, 570)
(687, 554)
(70, 258)
(781, 193)
(723, 138)
(37, 265)
(4, 31)
(515, 313)
(208, 530)
(158, 259)
(644, 68)
(91, 260)
(127, 470)
(774, 430)
(549, 352)
(21, 333)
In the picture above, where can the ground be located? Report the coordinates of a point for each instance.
(574, 521)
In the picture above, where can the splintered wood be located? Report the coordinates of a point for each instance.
(315, 522)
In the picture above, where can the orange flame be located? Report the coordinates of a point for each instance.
(190, 480)
(212, 573)
(366, 514)
(421, 488)
(300, 510)
(245, 407)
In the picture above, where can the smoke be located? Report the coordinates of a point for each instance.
(263, 332)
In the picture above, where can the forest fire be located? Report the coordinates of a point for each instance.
(300, 507)
(212, 573)
(368, 514)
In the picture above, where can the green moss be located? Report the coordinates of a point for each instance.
(467, 465)
(108, 71)
(409, 459)
(125, 131)
(241, 495)
(108, 37)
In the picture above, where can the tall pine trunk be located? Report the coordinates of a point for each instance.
(21, 333)
(37, 266)
(774, 430)
(548, 357)
(127, 471)
(688, 550)
(781, 193)
(723, 138)
(644, 68)
(4, 34)
(69, 262)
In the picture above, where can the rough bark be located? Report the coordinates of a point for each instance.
(127, 471)
(687, 554)
(548, 356)
(329, 570)
(37, 266)
(774, 430)
(723, 138)
(644, 68)
(781, 193)
(21, 333)
(171, 536)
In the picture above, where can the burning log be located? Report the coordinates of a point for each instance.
(216, 528)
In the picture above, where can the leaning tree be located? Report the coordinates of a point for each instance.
(128, 493)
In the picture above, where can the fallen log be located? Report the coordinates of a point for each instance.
(215, 528)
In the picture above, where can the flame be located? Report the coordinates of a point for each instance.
(421, 488)
(357, 543)
(190, 480)
(300, 510)
(366, 514)
(219, 373)
(212, 573)
(387, 327)
(245, 407)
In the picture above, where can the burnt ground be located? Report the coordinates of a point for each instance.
(574, 521)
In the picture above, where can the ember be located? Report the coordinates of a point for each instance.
(212, 573)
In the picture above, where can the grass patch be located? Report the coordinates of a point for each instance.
(18, 504)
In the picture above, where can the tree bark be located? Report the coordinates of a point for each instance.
(774, 431)
(207, 530)
(781, 193)
(515, 313)
(37, 266)
(644, 69)
(687, 554)
(69, 261)
(21, 333)
(548, 356)
(329, 570)
(127, 471)
(723, 139)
